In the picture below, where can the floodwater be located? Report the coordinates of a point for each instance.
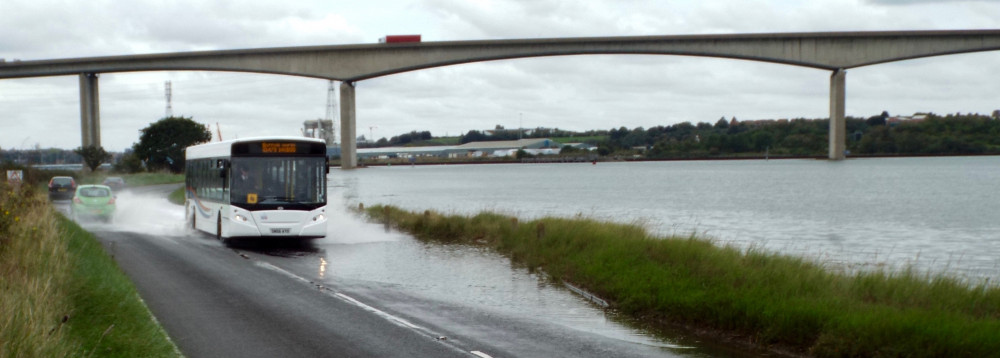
(365, 255)
(356, 251)
(933, 214)
(936, 214)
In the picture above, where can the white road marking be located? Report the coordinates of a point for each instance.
(380, 313)
(396, 320)
(280, 270)
(481, 354)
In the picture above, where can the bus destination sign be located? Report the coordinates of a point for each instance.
(270, 147)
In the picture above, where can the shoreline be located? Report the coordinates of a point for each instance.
(620, 160)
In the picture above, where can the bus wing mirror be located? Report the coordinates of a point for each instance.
(223, 168)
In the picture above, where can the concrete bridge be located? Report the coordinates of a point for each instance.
(832, 51)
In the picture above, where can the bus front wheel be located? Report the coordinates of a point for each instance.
(218, 229)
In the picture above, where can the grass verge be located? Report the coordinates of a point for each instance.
(769, 299)
(60, 293)
(177, 196)
(141, 179)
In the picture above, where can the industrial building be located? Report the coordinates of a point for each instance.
(534, 146)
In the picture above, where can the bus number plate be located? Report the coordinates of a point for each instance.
(281, 230)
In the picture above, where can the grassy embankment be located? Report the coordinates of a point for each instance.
(142, 179)
(177, 196)
(766, 299)
(61, 295)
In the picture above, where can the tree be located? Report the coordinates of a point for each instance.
(473, 136)
(877, 120)
(568, 149)
(129, 163)
(634, 138)
(162, 144)
(683, 130)
(605, 149)
(617, 134)
(761, 140)
(92, 156)
(722, 123)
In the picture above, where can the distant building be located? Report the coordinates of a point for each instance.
(896, 120)
(500, 130)
(583, 146)
(320, 128)
(469, 150)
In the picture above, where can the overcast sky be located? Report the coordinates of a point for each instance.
(572, 92)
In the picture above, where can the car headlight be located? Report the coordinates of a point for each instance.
(240, 217)
(319, 217)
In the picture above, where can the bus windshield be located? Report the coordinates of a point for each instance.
(262, 183)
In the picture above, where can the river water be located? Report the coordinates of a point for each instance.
(933, 214)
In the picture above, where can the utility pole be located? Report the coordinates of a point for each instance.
(169, 94)
(331, 114)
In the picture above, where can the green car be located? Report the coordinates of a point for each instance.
(93, 202)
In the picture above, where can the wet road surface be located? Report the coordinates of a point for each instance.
(361, 292)
(216, 303)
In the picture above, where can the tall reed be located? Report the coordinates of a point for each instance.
(767, 298)
(60, 293)
(34, 271)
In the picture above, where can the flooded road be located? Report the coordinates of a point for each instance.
(467, 289)
(472, 299)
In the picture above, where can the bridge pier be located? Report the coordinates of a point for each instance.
(838, 125)
(90, 111)
(348, 127)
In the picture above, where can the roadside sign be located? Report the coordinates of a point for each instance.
(14, 177)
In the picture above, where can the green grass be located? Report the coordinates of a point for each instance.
(137, 179)
(581, 139)
(60, 293)
(447, 140)
(177, 196)
(436, 141)
(141, 179)
(106, 305)
(767, 298)
(38, 178)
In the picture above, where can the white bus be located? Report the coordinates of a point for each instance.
(273, 187)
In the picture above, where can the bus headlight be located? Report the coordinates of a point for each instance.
(240, 217)
(319, 217)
